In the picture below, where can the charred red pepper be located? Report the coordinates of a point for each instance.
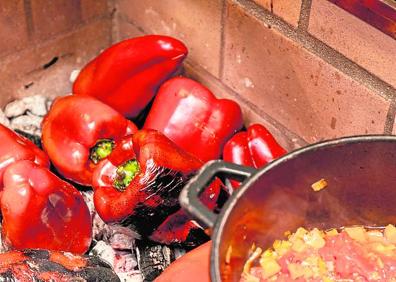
(127, 75)
(192, 117)
(179, 229)
(15, 147)
(254, 147)
(139, 182)
(78, 132)
(42, 211)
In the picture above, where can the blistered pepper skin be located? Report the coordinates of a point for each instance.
(71, 129)
(127, 74)
(15, 147)
(152, 194)
(41, 211)
(192, 117)
(160, 162)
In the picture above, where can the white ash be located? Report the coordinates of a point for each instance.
(37, 105)
(134, 276)
(121, 241)
(3, 119)
(115, 244)
(26, 114)
(124, 263)
(27, 123)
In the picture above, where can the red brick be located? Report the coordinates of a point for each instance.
(13, 29)
(357, 40)
(195, 22)
(54, 17)
(296, 88)
(73, 51)
(94, 8)
(289, 10)
(123, 30)
(287, 139)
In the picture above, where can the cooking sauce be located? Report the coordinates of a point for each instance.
(348, 254)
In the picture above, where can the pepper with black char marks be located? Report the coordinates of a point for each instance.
(139, 183)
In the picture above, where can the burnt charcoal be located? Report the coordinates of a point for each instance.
(153, 259)
(196, 237)
(39, 265)
(37, 254)
(167, 185)
(34, 138)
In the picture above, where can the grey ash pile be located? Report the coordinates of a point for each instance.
(132, 259)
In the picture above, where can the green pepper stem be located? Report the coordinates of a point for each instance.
(125, 174)
(101, 150)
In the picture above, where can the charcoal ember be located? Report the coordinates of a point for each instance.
(124, 263)
(3, 119)
(153, 258)
(42, 265)
(27, 123)
(36, 105)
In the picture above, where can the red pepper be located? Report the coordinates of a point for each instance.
(78, 132)
(15, 147)
(192, 117)
(255, 147)
(127, 75)
(179, 229)
(139, 182)
(41, 211)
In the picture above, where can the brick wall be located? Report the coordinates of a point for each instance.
(306, 68)
(43, 41)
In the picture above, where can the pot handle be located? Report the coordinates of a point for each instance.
(189, 197)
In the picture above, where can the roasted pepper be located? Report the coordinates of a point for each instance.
(139, 182)
(78, 132)
(254, 147)
(41, 211)
(15, 147)
(192, 117)
(179, 229)
(127, 74)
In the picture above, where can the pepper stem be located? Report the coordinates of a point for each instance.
(125, 174)
(101, 150)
